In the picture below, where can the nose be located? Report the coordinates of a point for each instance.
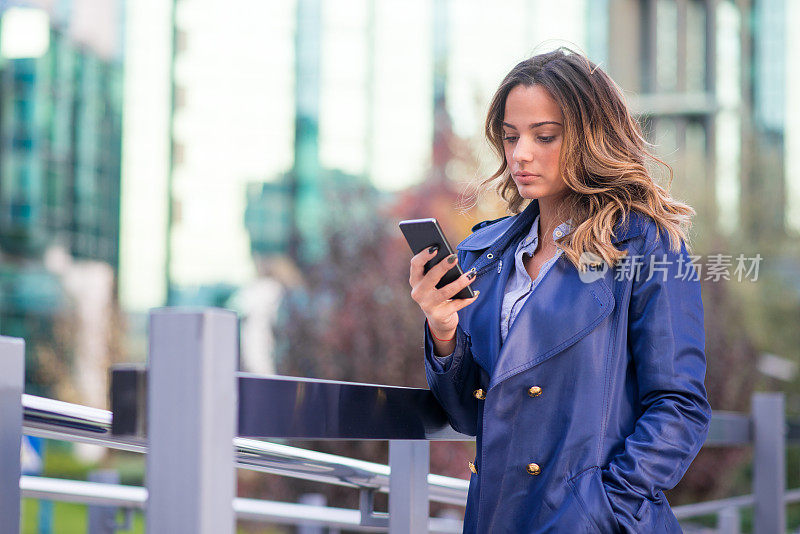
(523, 151)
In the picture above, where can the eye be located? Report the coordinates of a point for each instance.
(510, 138)
(547, 139)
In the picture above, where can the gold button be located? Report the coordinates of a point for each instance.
(472, 468)
(479, 394)
(533, 469)
(535, 391)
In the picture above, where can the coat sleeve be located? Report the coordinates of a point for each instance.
(667, 341)
(452, 380)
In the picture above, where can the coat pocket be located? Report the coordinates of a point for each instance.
(588, 490)
(646, 511)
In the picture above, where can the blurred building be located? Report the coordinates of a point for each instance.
(710, 80)
(288, 93)
(60, 149)
(147, 108)
(258, 93)
(261, 91)
(254, 108)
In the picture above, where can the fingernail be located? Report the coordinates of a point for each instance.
(477, 293)
(471, 274)
(433, 249)
(451, 258)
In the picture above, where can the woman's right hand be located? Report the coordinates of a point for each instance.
(438, 305)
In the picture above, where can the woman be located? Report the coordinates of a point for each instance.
(580, 365)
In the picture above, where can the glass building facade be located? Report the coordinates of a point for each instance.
(60, 151)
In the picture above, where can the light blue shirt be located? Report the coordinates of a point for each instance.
(520, 286)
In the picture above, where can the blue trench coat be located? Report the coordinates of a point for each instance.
(595, 403)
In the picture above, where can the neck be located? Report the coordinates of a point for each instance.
(548, 219)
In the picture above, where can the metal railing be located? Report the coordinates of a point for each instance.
(134, 497)
(198, 420)
(59, 420)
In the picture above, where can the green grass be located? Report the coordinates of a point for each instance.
(69, 518)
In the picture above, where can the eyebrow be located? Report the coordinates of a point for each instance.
(534, 125)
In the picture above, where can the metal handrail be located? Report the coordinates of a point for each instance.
(54, 419)
(712, 507)
(135, 497)
(685, 511)
(60, 420)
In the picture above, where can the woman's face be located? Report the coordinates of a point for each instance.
(532, 135)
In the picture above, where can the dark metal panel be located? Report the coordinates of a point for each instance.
(284, 407)
(128, 394)
(302, 408)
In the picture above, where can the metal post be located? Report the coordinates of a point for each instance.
(313, 499)
(191, 411)
(103, 519)
(728, 521)
(769, 463)
(408, 486)
(12, 383)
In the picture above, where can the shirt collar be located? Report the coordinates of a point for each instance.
(560, 231)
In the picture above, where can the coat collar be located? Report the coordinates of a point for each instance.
(563, 310)
(488, 235)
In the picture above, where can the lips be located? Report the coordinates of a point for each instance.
(526, 177)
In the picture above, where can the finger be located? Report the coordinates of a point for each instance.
(436, 273)
(450, 290)
(418, 264)
(452, 306)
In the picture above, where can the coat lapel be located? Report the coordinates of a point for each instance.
(483, 316)
(560, 311)
(495, 246)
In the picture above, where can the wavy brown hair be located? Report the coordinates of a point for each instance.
(602, 159)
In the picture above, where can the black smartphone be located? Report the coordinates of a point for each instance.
(424, 233)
